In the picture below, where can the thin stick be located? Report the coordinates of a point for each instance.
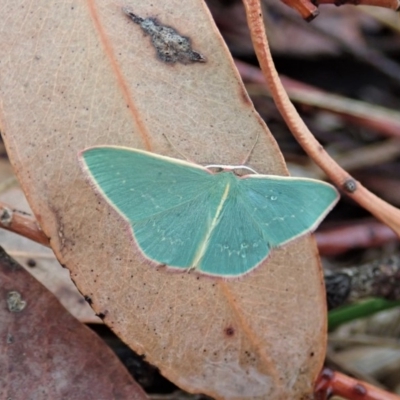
(334, 383)
(383, 120)
(376, 206)
(308, 9)
(21, 224)
(391, 4)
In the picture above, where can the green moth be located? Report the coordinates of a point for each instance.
(186, 216)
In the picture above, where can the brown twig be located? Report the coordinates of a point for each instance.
(23, 225)
(383, 120)
(334, 383)
(308, 9)
(362, 234)
(376, 206)
(391, 4)
(379, 278)
(305, 8)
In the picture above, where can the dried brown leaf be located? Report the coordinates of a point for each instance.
(45, 353)
(79, 74)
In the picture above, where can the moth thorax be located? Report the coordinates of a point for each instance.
(239, 170)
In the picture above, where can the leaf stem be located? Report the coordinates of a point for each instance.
(382, 210)
(335, 383)
(21, 224)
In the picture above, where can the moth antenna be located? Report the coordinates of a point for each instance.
(177, 150)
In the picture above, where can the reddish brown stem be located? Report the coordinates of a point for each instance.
(305, 8)
(332, 383)
(392, 4)
(382, 120)
(376, 206)
(308, 9)
(21, 224)
(365, 234)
